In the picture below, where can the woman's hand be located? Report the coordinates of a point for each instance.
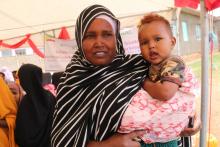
(196, 127)
(119, 140)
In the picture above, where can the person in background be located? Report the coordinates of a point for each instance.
(97, 85)
(8, 74)
(47, 79)
(56, 78)
(34, 117)
(165, 112)
(2, 75)
(16, 91)
(14, 73)
(8, 110)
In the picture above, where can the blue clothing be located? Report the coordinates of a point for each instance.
(172, 143)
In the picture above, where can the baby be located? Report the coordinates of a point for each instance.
(167, 98)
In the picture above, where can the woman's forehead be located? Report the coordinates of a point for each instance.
(13, 86)
(100, 24)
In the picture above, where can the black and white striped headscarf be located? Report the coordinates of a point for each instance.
(92, 99)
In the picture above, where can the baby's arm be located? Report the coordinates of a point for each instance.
(161, 91)
(165, 79)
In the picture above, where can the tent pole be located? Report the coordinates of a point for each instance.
(205, 76)
(44, 33)
(178, 10)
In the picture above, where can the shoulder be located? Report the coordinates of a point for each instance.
(174, 61)
(173, 64)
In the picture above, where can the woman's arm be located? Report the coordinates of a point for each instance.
(161, 91)
(119, 140)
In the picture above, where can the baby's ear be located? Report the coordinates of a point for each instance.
(173, 41)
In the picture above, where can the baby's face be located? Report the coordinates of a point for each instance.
(156, 42)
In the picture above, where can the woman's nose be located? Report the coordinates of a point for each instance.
(99, 41)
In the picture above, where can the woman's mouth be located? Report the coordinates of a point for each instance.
(100, 53)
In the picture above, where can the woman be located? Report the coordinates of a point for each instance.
(34, 117)
(56, 78)
(8, 110)
(8, 76)
(16, 91)
(97, 85)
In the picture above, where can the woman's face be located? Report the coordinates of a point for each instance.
(2, 75)
(15, 91)
(99, 43)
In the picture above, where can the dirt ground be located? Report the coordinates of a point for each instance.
(214, 118)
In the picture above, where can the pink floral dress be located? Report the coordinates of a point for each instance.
(162, 120)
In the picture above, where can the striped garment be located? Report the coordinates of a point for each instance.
(92, 99)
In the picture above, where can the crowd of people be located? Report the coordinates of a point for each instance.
(104, 98)
(27, 105)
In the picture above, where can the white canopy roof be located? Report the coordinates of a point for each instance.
(20, 17)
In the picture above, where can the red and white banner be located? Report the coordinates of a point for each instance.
(130, 40)
(58, 53)
(20, 43)
(210, 4)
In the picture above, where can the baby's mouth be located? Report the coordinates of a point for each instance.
(153, 55)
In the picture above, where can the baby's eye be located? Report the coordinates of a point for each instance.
(158, 39)
(144, 42)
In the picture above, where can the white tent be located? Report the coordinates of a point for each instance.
(20, 17)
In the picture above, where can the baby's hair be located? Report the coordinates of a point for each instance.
(154, 17)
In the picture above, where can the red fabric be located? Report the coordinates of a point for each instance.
(16, 45)
(20, 43)
(35, 49)
(212, 4)
(187, 3)
(64, 34)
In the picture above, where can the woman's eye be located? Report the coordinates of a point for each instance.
(87, 36)
(14, 91)
(107, 34)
